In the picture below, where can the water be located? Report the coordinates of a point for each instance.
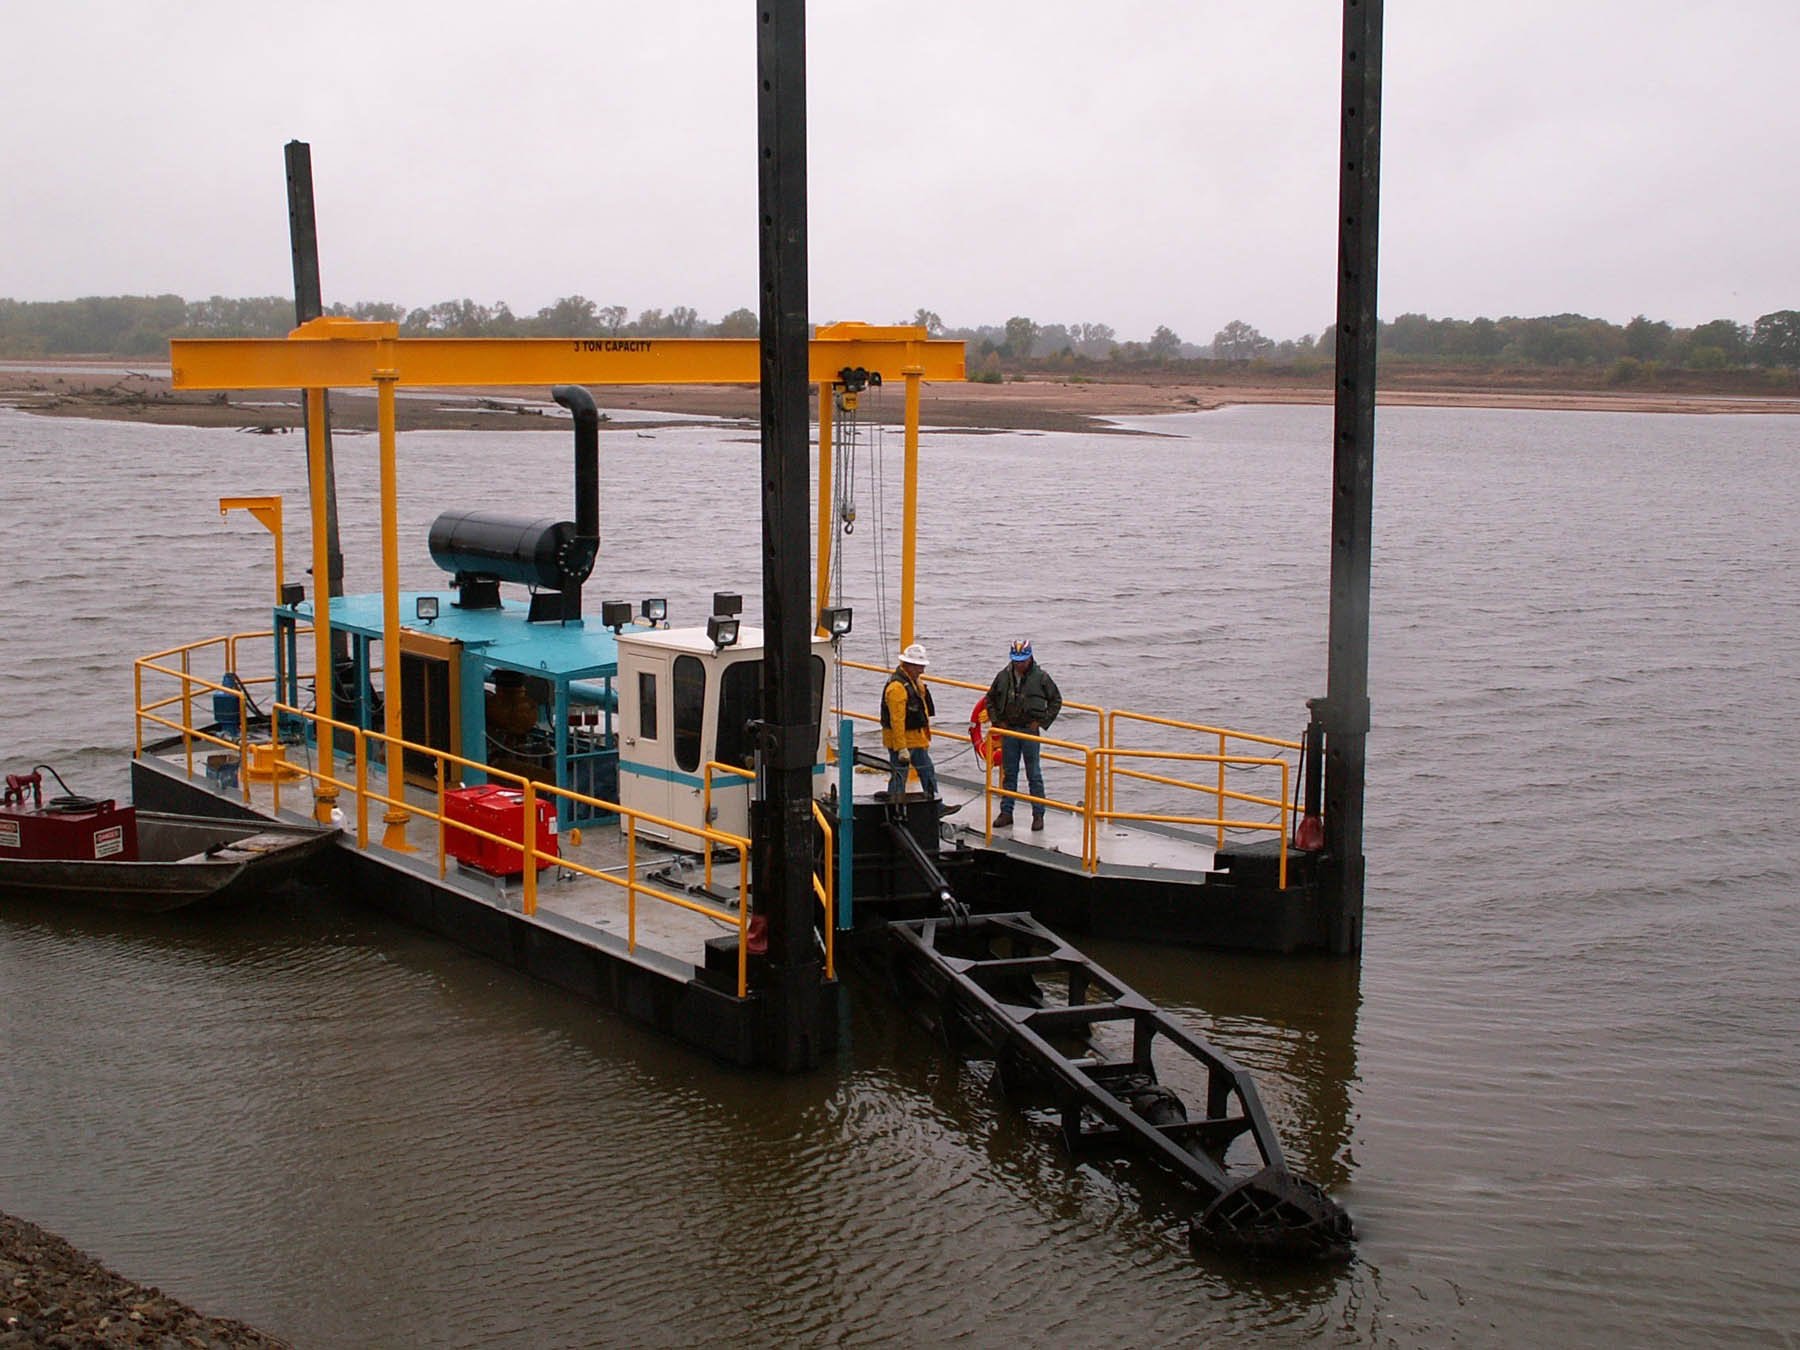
(1557, 1095)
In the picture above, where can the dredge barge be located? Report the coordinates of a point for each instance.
(659, 818)
(574, 789)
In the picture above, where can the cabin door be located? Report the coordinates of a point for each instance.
(646, 755)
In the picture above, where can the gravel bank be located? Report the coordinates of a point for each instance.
(52, 1294)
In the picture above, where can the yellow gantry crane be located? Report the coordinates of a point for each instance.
(336, 353)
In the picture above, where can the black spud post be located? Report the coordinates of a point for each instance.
(1345, 709)
(784, 846)
(309, 304)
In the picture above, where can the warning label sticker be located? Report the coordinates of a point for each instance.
(9, 834)
(109, 841)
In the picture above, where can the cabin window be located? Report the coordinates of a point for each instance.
(646, 705)
(740, 700)
(690, 707)
(740, 703)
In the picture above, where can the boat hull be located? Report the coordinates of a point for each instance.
(185, 861)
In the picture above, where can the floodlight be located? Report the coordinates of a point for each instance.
(727, 603)
(425, 608)
(292, 593)
(615, 614)
(835, 621)
(722, 632)
(656, 610)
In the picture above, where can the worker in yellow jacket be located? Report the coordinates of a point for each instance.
(906, 712)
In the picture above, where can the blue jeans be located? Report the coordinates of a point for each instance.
(1012, 750)
(921, 760)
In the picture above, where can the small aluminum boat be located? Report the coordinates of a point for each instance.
(91, 851)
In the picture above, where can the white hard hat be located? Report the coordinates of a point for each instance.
(914, 656)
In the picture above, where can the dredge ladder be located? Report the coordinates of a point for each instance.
(1041, 1010)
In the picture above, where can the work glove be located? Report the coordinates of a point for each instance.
(905, 759)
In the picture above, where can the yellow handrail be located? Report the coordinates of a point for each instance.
(529, 849)
(326, 732)
(1180, 725)
(189, 732)
(1100, 766)
(1225, 735)
(1100, 771)
(991, 790)
(1282, 805)
(706, 812)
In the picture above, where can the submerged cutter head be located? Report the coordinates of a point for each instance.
(1276, 1214)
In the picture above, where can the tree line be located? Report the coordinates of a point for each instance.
(1561, 341)
(141, 325)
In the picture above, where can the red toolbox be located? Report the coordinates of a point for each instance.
(498, 811)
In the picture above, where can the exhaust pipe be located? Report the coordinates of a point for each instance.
(581, 407)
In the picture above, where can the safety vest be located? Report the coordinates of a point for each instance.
(917, 718)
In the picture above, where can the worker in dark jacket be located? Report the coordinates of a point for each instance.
(906, 713)
(1022, 697)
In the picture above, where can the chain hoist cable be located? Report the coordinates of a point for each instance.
(844, 429)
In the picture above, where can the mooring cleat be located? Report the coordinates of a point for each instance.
(1278, 1215)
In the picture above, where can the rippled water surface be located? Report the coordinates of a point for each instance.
(1558, 1094)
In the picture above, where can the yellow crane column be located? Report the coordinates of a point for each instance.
(827, 517)
(395, 818)
(909, 544)
(324, 793)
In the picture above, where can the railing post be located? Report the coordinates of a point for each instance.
(1286, 825)
(1103, 766)
(442, 852)
(531, 846)
(1221, 797)
(244, 741)
(631, 892)
(362, 786)
(996, 748)
(1090, 825)
(706, 818)
(187, 714)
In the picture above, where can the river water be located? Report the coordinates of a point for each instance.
(1558, 1094)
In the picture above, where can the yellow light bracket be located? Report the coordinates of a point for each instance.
(267, 510)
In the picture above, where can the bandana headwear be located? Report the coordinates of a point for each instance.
(1021, 650)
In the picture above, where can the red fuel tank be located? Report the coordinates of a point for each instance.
(94, 830)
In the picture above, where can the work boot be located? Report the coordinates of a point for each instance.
(1037, 822)
(1003, 821)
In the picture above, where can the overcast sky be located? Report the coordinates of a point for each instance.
(1132, 162)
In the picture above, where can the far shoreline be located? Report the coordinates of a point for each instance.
(139, 392)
